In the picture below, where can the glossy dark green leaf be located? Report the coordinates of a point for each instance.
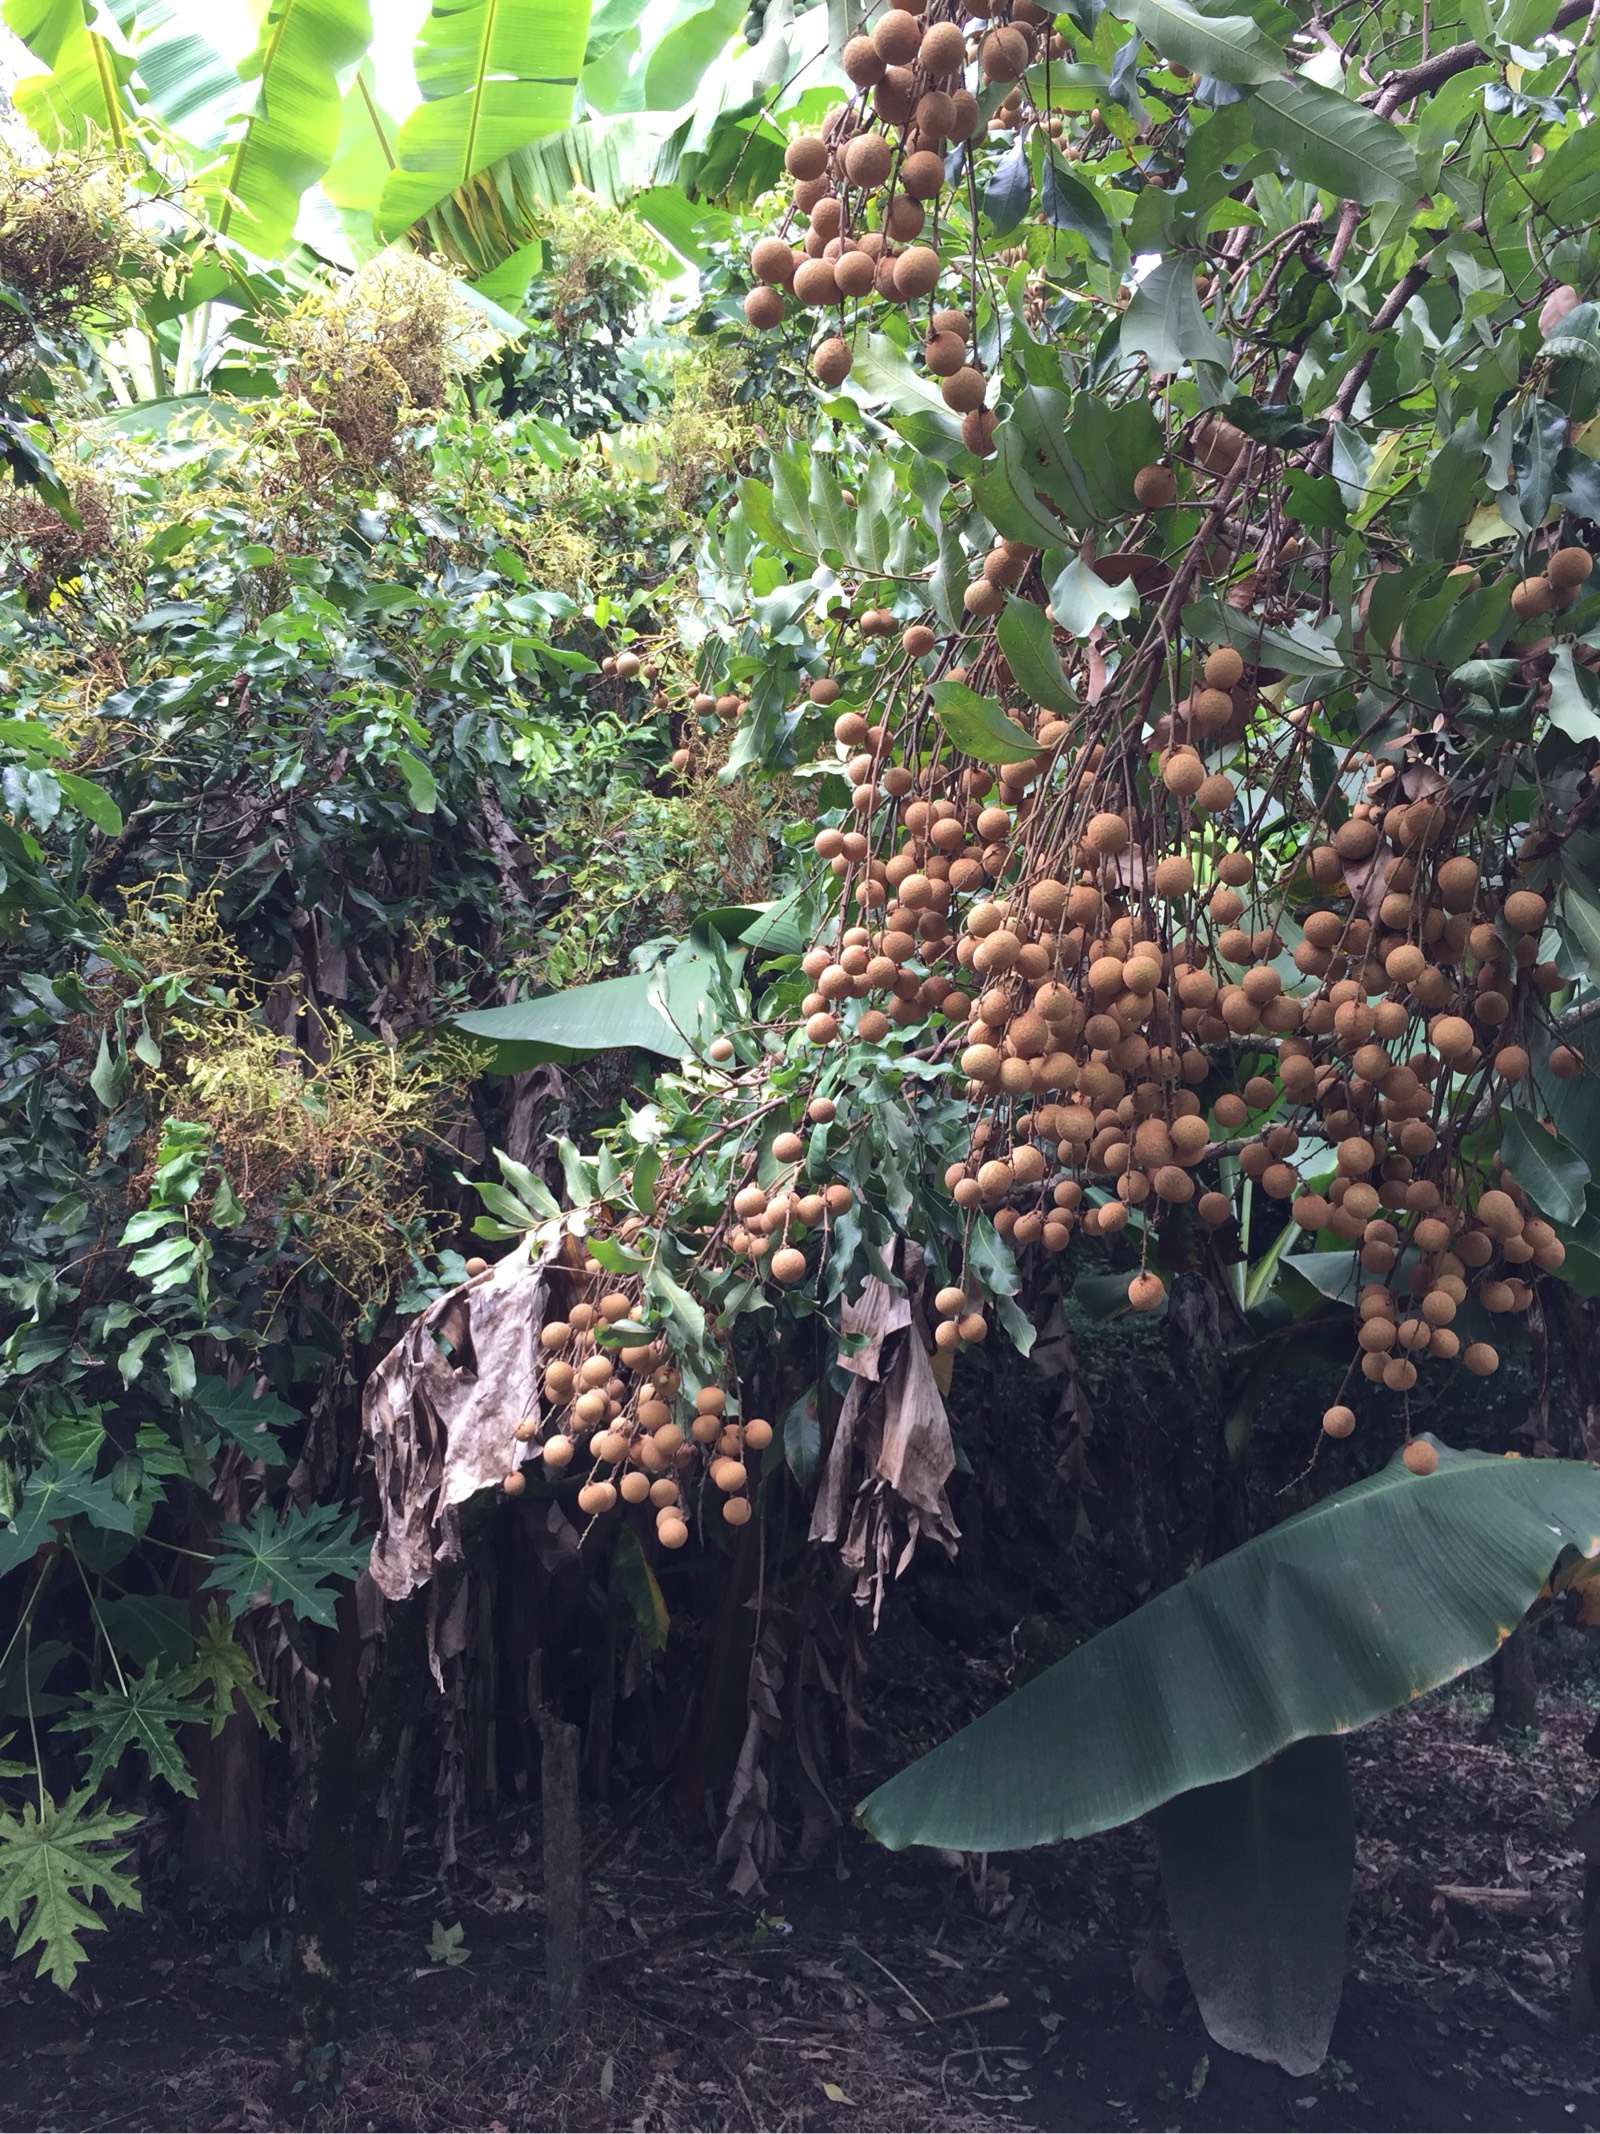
(978, 726)
(1068, 204)
(1009, 190)
(1029, 644)
(1549, 1170)
(1335, 144)
(1229, 48)
(1257, 1872)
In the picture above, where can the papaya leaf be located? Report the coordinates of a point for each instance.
(51, 1860)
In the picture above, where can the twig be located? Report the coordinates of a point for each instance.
(904, 1988)
(991, 2006)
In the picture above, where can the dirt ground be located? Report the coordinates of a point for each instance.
(879, 1991)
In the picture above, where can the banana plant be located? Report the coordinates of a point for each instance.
(1217, 1709)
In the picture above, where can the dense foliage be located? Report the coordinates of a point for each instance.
(969, 676)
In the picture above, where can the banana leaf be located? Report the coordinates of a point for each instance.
(1257, 1874)
(1367, 1600)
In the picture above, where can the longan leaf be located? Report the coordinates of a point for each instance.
(1549, 1170)
(1029, 644)
(978, 727)
(1229, 48)
(644, 1595)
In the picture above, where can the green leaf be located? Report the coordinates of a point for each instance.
(261, 1561)
(1364, 1602)
(144, 1714)
(422, 788)
(1549, 1170)
(978, 727)
(495, 75)
(222, 1665)
(1164, 321)
(51, 1860)
(1080, 597)
(290, 136)
(1029, 644)
(1573, 698)
(84, 96)
(1439, 516)
(644, 1595)
(1068, 204)
(613, 1015)
(802, 1437)
(91, 800)
(1257, 1872)
(675, 1300)
(1330, 142)
(1009, 190)
(244, 1416)
(1230, 48)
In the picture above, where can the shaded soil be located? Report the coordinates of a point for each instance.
(877, 1991)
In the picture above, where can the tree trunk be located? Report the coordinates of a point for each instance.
(563, 1866)
(224, 1826)
(359, 1740)
(1516, 1687)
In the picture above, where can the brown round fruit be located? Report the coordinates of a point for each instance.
(943, 50)
(1155, 487)
(1339, 1421)
(830, 361)
(868, 160)
(763, 309)
(806, 157)
(1420, 1457)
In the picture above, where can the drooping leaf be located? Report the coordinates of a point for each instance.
(223, 1667)
(1378, 1593)
(978, 727)
(291, 131)
(644, 1595)
(1549, 1170)
(265, 1560)
(495, 75)
(1010, 188)
(52, 1861)
(1068, 204)
(1257, 1874)
(1029, 644)
(1164, 320)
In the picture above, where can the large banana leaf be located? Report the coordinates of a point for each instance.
(494, 75)
(1367, 1600)
(83, 94)
(494, 214)
(1257, 1876)
(292, 132)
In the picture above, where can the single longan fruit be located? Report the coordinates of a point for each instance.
(758, 1433)
(1420, 1458)
(943, 50)
(736, 1511)
(1004, 55)
(962, 392)
(476, 1267)
(1525, 911)
(1339, 1421)
(868, 160)
(763, 309)
(863, 63)
(671, 1532)
(1224, 669)
(806, 157)
(1481, 1358)
(916, 271)
(596, 1497)
(558, 1452)
(789, 1266)
(1568, 568)
(921, 175)
(514, 1483)
(977, 431)
(1147, 1292)
(1532, 597)
(918, 640)
(830, 361)
(1155, 487)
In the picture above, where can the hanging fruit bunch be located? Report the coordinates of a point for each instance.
(1185, 801)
